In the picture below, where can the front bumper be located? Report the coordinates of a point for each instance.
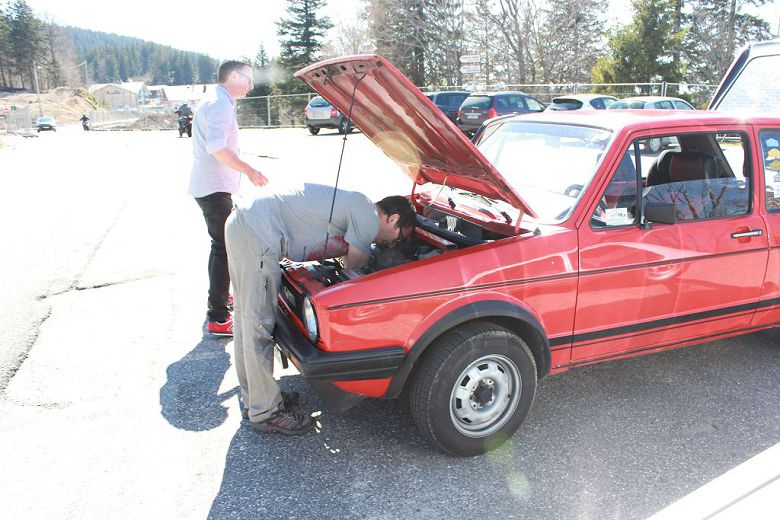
(315, 364)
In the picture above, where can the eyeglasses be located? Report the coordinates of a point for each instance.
(249, 78)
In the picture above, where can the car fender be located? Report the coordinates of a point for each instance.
(470, 308)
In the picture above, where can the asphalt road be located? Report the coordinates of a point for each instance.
(115, 404)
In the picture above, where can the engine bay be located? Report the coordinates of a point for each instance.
(436, 233)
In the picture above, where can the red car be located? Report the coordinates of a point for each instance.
(557, 240)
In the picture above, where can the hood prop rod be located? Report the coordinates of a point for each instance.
(338, 171)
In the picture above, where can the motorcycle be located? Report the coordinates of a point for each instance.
(185, 125)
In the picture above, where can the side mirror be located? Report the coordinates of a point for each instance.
(662, 212)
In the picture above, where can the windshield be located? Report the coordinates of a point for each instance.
(318, 102)
(549, 165)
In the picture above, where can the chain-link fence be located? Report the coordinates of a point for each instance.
(272, 111)
(19, 121)
(287, 110)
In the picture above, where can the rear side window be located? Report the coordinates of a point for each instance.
(566, 104)
(480, 102)
(681, 105)
(664, 105)
(318, 102)
(511, 103)
(450, 100)
(770, 151)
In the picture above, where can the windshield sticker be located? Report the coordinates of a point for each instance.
(618, 217)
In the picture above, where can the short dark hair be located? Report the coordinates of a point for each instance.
(228, 66)
(401, 206)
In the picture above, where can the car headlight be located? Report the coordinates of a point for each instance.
(310, 320)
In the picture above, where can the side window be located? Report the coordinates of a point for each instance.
(617, 206)
(665, 105)
(533, 104)
(598, 103)
(706, 176)
(680, 105)
(770, 151)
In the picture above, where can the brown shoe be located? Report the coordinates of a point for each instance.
(287, 422)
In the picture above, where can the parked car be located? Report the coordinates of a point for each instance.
(46, 123)
(553, 243)
(479, 107)
(581, 102)
(448, 102)
(651, 103)
(319, 113)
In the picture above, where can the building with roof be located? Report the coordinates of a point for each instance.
(125, 95)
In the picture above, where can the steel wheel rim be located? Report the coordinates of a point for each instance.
(485, 396)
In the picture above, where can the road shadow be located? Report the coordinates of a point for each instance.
(190, 398)
(619, 440)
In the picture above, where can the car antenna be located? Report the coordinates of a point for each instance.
(338, 171)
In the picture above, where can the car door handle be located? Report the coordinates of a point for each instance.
(752, 233)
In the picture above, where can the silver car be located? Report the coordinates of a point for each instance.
(319, 113)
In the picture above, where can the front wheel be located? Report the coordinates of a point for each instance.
(474, 389)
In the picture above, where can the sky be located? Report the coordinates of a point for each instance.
(225, 29)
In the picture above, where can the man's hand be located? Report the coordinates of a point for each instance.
(231, 160)
(257, 178)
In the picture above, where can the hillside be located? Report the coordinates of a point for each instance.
(112, 57)
(63, 103)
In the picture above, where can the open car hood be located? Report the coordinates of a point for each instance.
(391, 111)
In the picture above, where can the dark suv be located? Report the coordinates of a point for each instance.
(479, 107)
(448, 102)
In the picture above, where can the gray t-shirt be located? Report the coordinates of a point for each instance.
(296, 221)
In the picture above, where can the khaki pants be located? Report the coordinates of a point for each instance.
(255, 275)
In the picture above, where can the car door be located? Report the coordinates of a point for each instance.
(652, 285)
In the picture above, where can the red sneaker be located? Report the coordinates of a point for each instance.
(223, 328)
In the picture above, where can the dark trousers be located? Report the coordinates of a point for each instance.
(216, 209)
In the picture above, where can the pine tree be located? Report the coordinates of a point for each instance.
(5, 45)
(718, 29)
(301, 36)
(644, 49)
(25, 41)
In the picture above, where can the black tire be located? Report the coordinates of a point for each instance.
(490, 366)
(313, 130)
(344, 127)
(189, 131)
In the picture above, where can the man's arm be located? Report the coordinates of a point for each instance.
(229, 158)
(356, 258)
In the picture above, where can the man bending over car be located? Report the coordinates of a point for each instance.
(306, 223)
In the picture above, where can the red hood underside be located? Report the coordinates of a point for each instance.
(392, 112)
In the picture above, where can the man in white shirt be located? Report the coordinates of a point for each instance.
(216, 175)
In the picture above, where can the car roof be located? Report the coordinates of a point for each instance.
(638, 119)
(650, 99)
(582, 97)
(502, 93)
